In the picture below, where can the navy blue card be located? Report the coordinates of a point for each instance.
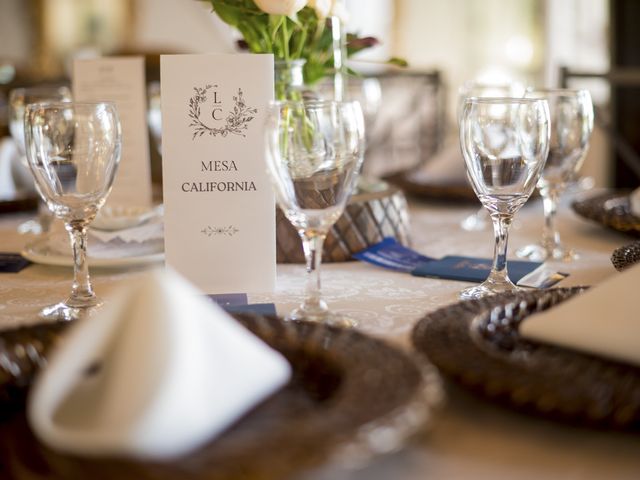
(227, 299)
(259, 308)
(471, 269)
(237, 303)
(390, 254)
(12, 262)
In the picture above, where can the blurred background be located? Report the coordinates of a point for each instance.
(579, 43)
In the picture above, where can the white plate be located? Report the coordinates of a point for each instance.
(121, 217)
(39, 252)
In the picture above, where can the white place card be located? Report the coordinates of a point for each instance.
(219, 205)
(121, 80)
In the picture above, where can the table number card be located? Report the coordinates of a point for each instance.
(121, 80)
(219, 205)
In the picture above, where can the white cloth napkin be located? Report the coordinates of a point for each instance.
(160, 371)
(7, 153)
(603, 320)
(635, 202)
(446, 167)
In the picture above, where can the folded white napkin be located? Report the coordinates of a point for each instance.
(7, 153)
(446, 166)
(147, 239)
(602, 321)
(635, 202)
(160, 371)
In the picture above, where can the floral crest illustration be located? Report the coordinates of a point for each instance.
(236, 121)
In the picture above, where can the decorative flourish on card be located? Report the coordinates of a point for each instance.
(228, 231)
(236, 120)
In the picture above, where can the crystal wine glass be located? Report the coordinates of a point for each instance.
(73, 151)
(571, 126)
(19, 98)
(504, 142)
(314, 154)
(480, 219)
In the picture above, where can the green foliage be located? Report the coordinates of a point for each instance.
(303, 36)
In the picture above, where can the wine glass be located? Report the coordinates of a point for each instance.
(571, 126)
(73, 151)
(19, 98)
(314, 154)
(505, 142)
(480, 219)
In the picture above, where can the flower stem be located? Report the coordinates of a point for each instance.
(285, 38)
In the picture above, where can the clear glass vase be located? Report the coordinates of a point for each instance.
(289, 79)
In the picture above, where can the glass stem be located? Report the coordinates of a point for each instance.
(312, 244)
(81, 290)
(550, 235)
(501, 224)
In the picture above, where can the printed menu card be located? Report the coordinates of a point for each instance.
(219, 205)
(121, 80)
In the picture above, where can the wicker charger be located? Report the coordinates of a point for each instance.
(612, 210)
(368, 218)
(349, 395)
(626, 256)
(477, 344)
(416, 185)
(21, 202)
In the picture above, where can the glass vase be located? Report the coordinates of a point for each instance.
(289, 79)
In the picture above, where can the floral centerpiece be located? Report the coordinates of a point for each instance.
(292, 30)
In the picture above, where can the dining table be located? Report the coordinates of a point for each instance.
(465, 437)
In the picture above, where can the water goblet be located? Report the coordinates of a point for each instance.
(314, 154)
(73, 151)
(479, 220)
(504, 142)
(19, 98)
(571, 126)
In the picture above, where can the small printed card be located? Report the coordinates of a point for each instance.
(390, 254)
(121, 80)
(219, 204)
(471, 269)
(12, 262)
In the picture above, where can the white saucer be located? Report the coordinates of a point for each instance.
(40, 252)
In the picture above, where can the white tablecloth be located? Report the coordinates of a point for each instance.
(468, 438)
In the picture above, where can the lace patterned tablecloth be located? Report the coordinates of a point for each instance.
(469, 438)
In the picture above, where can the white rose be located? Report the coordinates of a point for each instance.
(322, 7)
(281, 7)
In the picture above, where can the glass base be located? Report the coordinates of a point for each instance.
(488, 287)
(325, 316)
(475, 222)
(30, 226)
(538, 253)
(65, 311)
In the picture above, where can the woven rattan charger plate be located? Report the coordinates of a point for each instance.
(350, 396)
(612, 209)
(369, 217)
(476, 343)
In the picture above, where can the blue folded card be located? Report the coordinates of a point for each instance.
(259, 308)
(12, 262)
(226, 299)
(237, 303)
(471, 269)
(390, 254)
